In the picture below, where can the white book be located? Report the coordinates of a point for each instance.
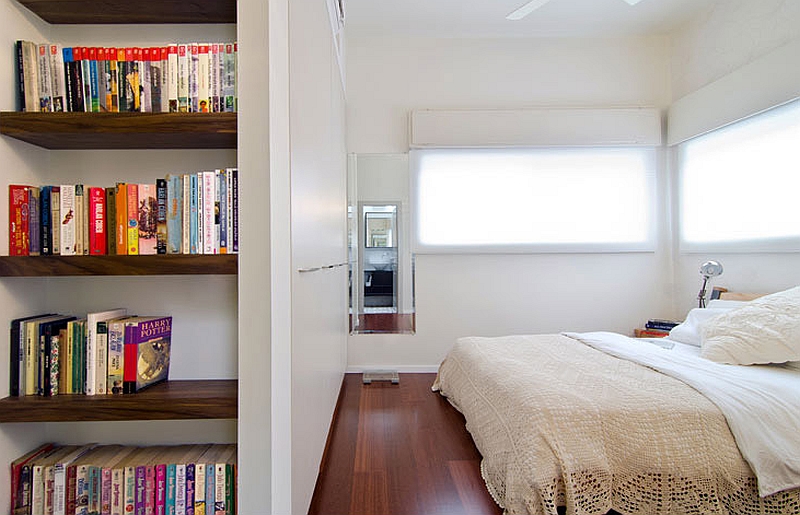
(183, 78)
(180, 489)
(209, 198)
(92, 371)
(228, 88)
(199, 214)
(186, 245)
(194, 72)
(45, 78)
(203, 71)
(59, 88)
(214, 83)
(172, 78)
(30, 64)
(67, 220)
(221, 74)
(60, 479)
(164, 80)
(219, 484)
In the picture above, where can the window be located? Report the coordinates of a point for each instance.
(534, 200)
(738, 185)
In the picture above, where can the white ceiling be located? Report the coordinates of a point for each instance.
(486, 18)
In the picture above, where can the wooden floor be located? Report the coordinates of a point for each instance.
(397, 450)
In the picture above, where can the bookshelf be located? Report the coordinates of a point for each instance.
(140, 12)
(173, 134)
(169, 264)
(172, 400)
(99, 131)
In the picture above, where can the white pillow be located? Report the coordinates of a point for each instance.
(690, 330)
(766, 330)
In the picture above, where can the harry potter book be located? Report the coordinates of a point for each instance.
(147, 352)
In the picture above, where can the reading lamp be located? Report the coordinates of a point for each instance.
(708, 270)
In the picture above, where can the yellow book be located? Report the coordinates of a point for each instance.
(133, 219)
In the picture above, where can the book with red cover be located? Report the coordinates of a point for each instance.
(147, 352)
(18, 224)
(97, 222)
(20, 498)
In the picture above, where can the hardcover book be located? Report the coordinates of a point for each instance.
(147, 352)
(116, 354)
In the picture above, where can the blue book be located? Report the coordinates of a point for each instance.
(190, 488)
(174, 214)
(94, 490)
(169, 504)
(46, 222)
(222, 188)
(193, 212)
(210, 490)
(94, 86)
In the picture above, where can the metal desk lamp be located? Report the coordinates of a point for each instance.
(708, 270)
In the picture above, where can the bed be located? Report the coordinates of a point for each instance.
(595, 422)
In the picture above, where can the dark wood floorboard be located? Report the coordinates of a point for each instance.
(399, 450)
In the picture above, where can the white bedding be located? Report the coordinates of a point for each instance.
(760, 403)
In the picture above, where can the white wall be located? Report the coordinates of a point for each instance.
(501, 294)
(734, 34)
(318, 238)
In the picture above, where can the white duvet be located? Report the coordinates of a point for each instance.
(760, 403)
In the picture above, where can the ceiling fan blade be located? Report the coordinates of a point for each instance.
(529, 8)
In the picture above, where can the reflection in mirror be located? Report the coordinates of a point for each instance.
(381, 263)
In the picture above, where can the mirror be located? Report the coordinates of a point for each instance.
(381, 263)
(380, 222)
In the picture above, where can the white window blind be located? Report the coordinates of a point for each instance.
(739, 185)
(534, 200)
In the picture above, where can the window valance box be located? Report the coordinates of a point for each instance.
(535, 127)
(771, 80)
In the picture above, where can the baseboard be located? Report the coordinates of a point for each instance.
(404, 369)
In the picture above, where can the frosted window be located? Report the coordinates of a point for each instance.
(739, 185)
(534, 200)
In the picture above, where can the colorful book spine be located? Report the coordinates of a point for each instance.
(105, 491)
(89, 91)
(193, 214)
(34, 229)
(94, 80)
(103, 80)
(111, 220)
(150, 489)
(122, 80)
(183, 79)
(101, 340)
(68, 220)
(19, 225)
(203, 75)
(116, 355)
(80, 220)
(222, 210)
(214, 85)
(219, 488)
(156, 79)
(55, 217)
(161, 216)
(121, 218)
(57, 77)
(97, 222)
(112, 92)
(180, 489)
(129, 494)
(186, 214)
(200, 489)
(145, 69)
(190, 488)
(45, 222)
(45, 79)
(133, 220)
(194, 60)
(235, 208)
(161, 489)
(147, 351)
(229, 78)
(169, 502)
(209, 217)
(148, 219)
(174, 213)
(210, 488)
(141, 486)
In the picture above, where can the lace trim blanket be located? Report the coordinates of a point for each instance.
(559, 423)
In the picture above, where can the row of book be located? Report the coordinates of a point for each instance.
(193, 77)
(89, 479)
(195, 213)
(655, 328)
(107, 352)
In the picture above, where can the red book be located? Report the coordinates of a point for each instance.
(18, 500)
(18, 223)
(97, 222)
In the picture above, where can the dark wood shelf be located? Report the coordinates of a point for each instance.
(172, 400)
(125, 11)
(165, 264)
(73, 131)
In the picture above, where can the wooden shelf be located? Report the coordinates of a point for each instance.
(125, 11)
(171, 400)
(73, 131)
(169, 264)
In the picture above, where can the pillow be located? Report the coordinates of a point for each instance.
(689, 331)
(766, 330)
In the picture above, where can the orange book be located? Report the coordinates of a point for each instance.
(121, 218)
(133, 220)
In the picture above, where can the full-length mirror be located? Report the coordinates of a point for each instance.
(381, 264)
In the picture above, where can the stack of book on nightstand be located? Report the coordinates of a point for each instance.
(655, 328)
